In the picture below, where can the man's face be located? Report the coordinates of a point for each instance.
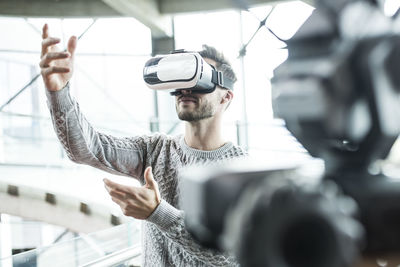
(196, 107)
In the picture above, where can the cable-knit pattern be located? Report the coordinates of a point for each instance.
(192, 253)
(171, 154)
(166, 242)
(60, 128)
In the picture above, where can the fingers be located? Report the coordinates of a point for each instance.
(119, 200)
(120, 187)
(149, 178)
(48, 57)
(45, 31)
(51, 70)
(72, 42)
(151, 183)
(123, 199)
(124, 192)
(117, 195)
(48, 43)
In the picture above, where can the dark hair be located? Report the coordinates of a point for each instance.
(222, 65)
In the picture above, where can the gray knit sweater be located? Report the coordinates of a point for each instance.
(166, 242)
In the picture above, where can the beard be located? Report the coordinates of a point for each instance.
(203, 112)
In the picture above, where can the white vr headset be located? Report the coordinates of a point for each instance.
(183, 70)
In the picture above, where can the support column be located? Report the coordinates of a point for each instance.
(4, 76)
(5, 241)
(35, 122)
(1, 138)
(160, 45)
(242, 126)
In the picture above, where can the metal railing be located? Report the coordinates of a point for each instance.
(118, 258)
(110, 247)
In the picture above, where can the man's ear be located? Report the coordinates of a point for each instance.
(227, 96)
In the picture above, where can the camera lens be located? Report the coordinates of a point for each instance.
(287, 225)
(308, 242)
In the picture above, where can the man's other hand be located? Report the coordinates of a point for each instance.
(137, 202)
(56, 65)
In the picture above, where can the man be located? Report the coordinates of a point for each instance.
(154, 160)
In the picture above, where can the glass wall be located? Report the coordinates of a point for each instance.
(108, 84)
(108, 80)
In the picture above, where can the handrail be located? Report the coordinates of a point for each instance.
(116, 258)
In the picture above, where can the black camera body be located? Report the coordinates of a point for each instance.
(339, 94)
(270, 214)
(351, 69)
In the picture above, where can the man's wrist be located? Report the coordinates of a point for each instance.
(165, 215)
(59, 100)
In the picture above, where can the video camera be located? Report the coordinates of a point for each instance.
(338, 93)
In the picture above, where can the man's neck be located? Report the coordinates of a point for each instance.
(204, 135)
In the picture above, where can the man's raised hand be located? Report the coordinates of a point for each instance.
(56, 65)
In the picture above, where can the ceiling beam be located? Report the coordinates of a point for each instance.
(54, 8)
(179, 6)
(147, 12)
(155, 14)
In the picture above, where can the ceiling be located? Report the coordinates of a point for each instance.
(156, 14)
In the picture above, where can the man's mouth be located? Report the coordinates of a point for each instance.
(187, 99)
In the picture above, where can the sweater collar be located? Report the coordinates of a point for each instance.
(211, 154)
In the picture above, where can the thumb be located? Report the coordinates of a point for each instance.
(72, 43)
(149, 178)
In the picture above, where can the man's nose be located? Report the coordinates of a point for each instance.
(186, 91)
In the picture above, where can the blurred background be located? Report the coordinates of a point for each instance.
(54, 206)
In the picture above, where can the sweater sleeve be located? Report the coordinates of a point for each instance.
(172, 223)
(84, 145)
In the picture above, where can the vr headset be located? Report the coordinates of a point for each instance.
(183, 70)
